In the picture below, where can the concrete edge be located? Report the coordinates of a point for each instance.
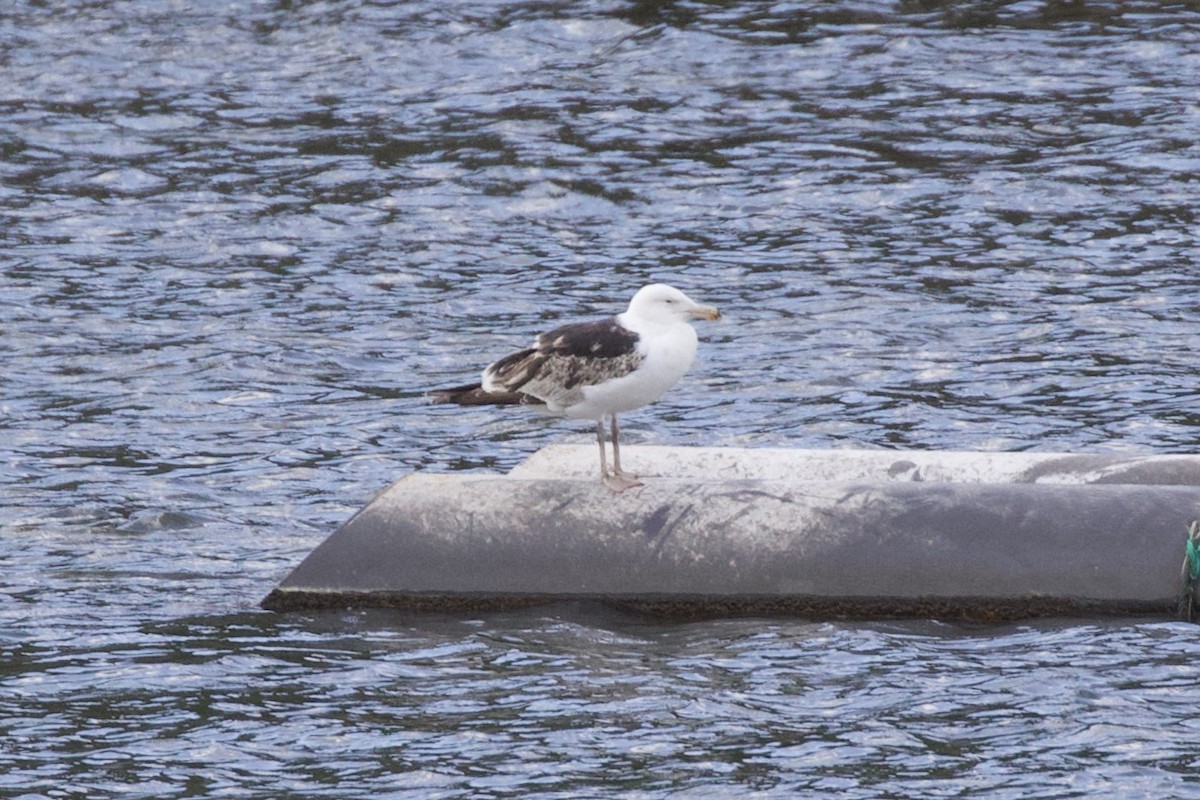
(702, 607)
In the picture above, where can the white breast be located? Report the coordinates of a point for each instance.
(668, 350)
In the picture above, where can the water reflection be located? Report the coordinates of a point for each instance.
(605, 704)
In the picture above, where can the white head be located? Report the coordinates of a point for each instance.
(659, 303)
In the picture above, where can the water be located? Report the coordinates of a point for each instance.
(240, 242)
(363, 705)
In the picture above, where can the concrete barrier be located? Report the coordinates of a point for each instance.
(725, 531)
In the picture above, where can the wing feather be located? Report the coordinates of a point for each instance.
(565, 360)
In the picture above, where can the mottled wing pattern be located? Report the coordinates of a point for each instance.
(604, 339)
(567, 359)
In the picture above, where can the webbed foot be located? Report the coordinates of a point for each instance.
(621, 481)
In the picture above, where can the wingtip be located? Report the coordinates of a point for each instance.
(454, 394)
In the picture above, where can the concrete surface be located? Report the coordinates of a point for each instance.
(845, 533)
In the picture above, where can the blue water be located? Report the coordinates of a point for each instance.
(241, 241)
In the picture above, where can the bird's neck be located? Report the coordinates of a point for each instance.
(647, 327)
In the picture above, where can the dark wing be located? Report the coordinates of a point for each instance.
(472, 394)
(604, 339)
(565, 359)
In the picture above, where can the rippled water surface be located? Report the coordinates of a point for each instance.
(240, 241)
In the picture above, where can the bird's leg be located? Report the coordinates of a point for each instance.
(617, 459)
(603, 457)
(617, 452)
(620, 480)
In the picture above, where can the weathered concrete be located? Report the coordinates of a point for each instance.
(847, 466)
(844, 533)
